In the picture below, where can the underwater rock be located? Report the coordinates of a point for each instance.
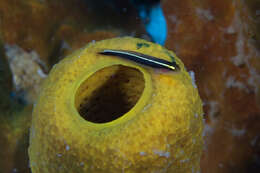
(33, 25)
(106, 114)
(15, 120)
(253, 17)
(73, 39)
(14, 140)
(6, 84)
(27, 72)
(213, 38)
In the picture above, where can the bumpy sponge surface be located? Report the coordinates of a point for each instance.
(105, 114)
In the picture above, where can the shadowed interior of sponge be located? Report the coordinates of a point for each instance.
(109, 93)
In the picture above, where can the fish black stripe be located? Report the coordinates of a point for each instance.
(142, 59)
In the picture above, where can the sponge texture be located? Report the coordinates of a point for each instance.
(105, 114)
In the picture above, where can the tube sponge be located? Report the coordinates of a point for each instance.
(105, 114)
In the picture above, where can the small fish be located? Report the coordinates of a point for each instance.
(142, 59)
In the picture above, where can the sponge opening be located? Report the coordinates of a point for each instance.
(109, 93)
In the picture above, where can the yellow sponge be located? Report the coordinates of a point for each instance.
(105, 114)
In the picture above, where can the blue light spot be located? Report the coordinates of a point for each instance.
(157, 27)
(154, 21)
